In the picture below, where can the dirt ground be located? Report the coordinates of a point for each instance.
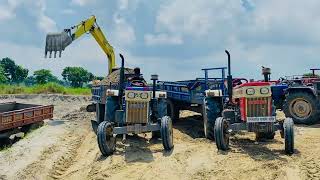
(66, 148)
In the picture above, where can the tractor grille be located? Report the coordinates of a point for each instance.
(258, 107)
(137, 112)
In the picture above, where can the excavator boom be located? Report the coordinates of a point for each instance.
(57, 42)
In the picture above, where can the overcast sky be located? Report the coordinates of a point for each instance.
(173, 38)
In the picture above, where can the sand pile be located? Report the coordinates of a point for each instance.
(114, 77)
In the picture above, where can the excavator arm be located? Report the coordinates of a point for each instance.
(57, 42)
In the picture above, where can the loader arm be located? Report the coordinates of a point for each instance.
(57, 42)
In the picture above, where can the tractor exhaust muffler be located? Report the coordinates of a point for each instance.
(229, 77)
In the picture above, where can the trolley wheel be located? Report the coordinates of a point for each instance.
(221, 134)
(106, 139)
(166, 132)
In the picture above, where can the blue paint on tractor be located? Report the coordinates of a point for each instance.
(278, 94)
(193, 91)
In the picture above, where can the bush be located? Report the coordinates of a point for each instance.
(49, 88)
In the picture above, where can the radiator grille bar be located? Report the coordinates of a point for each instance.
(137, 112)
(258, 107)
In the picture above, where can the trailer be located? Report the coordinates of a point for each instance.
(16, 117)
(189, 94)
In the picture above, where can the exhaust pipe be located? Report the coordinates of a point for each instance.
(121, 80)
(266, 73)
(229, 77)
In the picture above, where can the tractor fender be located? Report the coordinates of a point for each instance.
(301, 89)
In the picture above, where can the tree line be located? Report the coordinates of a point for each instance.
(12, 73)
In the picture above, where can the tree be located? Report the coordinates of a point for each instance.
(76, 76)
(43, 76)
(100, 78)
(20, 74)
(3, 77)
(30, 81)
(311, 75)
(14, 73)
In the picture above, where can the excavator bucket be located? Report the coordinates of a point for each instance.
(57, 42)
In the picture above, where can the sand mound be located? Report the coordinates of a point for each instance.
(114, 77)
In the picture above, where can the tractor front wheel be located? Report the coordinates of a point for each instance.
(221, 134)
(106, 138)
(166, 133)
(288, 135)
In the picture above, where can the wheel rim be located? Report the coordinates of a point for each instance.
(110, 137)
(300, 108)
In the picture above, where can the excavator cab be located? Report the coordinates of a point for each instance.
(57, 42)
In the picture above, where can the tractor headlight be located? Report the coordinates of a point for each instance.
(264, 90)
(144, 95)
(131, 95)
(250, 91)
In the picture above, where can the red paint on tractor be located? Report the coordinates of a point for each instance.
(243, 108)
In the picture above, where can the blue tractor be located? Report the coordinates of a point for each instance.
(130, 107)
(297, 96)
(302, 101)
(190, 95)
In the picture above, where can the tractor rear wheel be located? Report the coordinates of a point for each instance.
(172, 110)
(106, 139)
(302, 107)
(264, 135)
(166, 133)
(100, 111)
(156, 134)
(221, 134)
(210, 114)
(288, 135)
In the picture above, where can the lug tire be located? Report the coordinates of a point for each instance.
(106, 140)
(288, 135)
(100, 112)
(94, 125)
(220, 134)
(264, 135)
(308, 101)
(166, 133)
(172, 110)
(156, 134)
(210, 114)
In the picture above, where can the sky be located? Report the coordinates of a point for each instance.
(172, 38)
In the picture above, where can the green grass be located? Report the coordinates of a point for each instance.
(50, 88)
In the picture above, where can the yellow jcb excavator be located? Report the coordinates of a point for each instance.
(57, 42)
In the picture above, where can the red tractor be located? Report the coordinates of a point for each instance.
(248, 106)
